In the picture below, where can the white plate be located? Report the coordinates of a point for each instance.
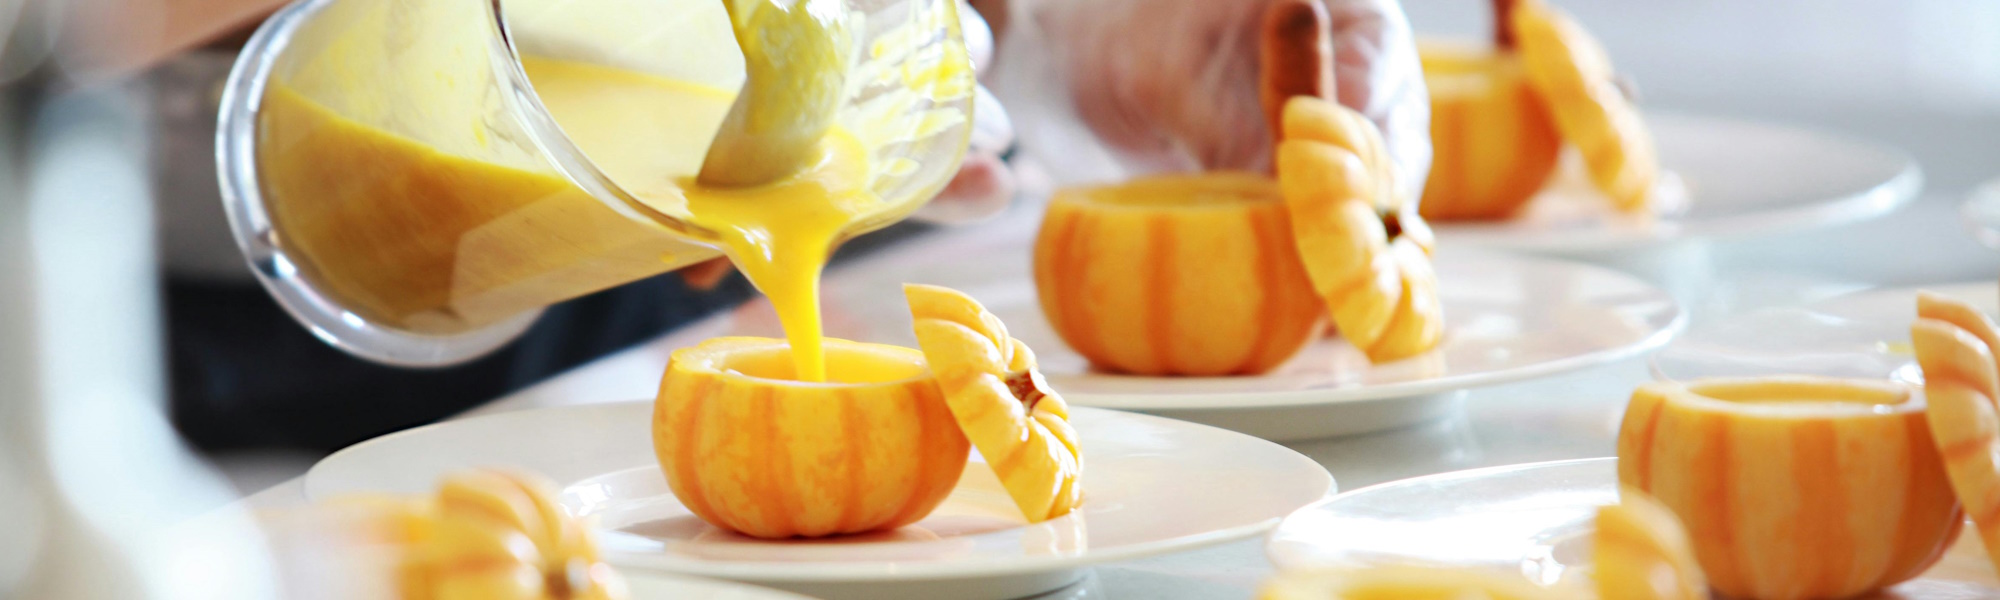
(1152, 486)
(1508, 318)
(1533, 519)
(1730, 177)
(1901, 302)
(1865, 334)
(656, 586)
(1982, 213)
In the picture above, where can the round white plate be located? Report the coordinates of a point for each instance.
(1508, 318)
(1982, 213)
(1865, 334)
(1725, 177)
(1533, 519)
(657, 586)
(1152, 486)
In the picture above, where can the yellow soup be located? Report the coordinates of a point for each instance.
(780, 234)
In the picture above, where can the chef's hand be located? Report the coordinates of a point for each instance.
(1171, 85)
(984, 185)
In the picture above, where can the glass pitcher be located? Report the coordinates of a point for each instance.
(397, 184)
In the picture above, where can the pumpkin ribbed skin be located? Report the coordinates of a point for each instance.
(1793, 487)
(485, 534)
(502, 536)
(1176, 275)
(1334, 175)
(747, 449)
(1493, 142)
(1954, 344)
(990, 380)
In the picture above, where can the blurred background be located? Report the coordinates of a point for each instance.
(113, 485)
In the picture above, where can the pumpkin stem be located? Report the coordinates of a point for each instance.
(1503, 29)
(1393, 223)
(567, 580)
(1027, 387)
(1295, 58)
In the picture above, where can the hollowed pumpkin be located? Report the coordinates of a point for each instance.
(1794, 487)
(1176, 275)
(992, 383)
(1493, 142)
(747, 448)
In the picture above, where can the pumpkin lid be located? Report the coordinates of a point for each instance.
(1000, 401)
(1640, 546)
(1364, 246)
(1378, 283)
(1572, 73)
(1953, 343)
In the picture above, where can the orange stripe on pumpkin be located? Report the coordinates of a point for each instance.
(1270, 305)
(1160, 246)
(925, 435)
(1455, 188)
(942, 474)
(778, 474)
(1915, 551)
(854, 427)
(1968, 449)
(688, 435)
(1715, 502)
(1822, 515)
(1643, 445)
(1074, 287)
(1054, 265)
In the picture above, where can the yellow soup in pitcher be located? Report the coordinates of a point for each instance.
(423, 276)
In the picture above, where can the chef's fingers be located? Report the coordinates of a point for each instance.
(984, 187)
(705, 275)
(978, 36)
(985, 184)
(1378, 75)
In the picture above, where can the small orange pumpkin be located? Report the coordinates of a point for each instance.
(485, 534)
(1493, 142)
(747, 447)
(1501, 114)
(1794, 487)
(1176, 275)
